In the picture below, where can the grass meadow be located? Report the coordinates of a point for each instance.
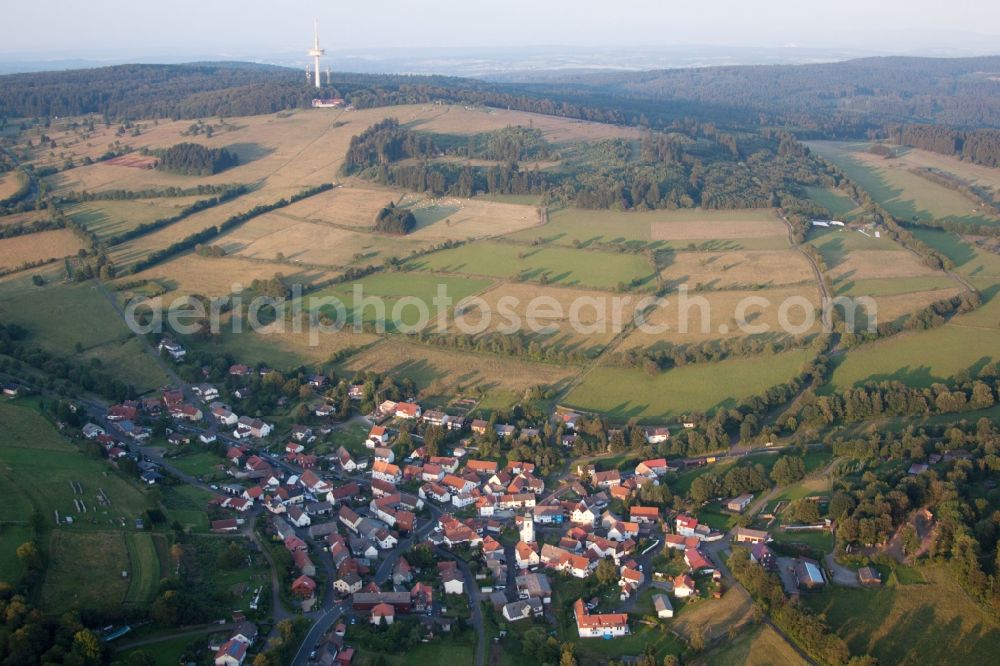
(624, 393)
(556, 265)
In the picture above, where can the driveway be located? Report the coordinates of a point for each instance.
(840, 574)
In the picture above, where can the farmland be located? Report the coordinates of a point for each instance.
(623, 394)
(711, 315)
(47, 474)
(760, 646)
(673, 228)
(562, 266)
(911, 624)
(441, 373)
(109, 218)
(54, 244)
(892, 183)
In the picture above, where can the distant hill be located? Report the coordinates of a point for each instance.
(869, 91)
(843, 99)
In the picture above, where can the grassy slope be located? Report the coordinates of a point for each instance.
(761, 646)
(933, 623)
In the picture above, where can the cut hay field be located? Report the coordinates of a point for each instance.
(729, 270)
(46, 311)
(22, 218)
(351, 205)
(11, 183)
(190, 273)
(443, 373)
(930, 623)
(850, 255)
(54, 244)
(578, 319)
(267, 236)
(891, 183)
(712, 315)
(450, 218)
(108, 218)
(563, 266)
(623, 393)
(760, 646)
(462, 120)
(662, 229)
(895, 286)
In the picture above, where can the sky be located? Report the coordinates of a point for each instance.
(252, 28)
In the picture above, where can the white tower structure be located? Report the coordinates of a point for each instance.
(528, 528)
(315, 52)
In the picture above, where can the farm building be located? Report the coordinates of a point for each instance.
(808, 574)
(869, 576)
(747, 535)
(663, 607)
(739, 504)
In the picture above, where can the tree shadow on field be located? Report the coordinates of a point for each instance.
(249, 152)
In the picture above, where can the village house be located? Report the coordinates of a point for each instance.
(606, 625)
(657, 435)
(644, 514)
(606, 479)
(684, 586)
(348, 582)
(651, 469)
(407, 410)
(251, 427)
(383, 613)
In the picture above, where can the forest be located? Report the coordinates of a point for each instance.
(194, 159)
(393, 220)
(980, 146)
(847, 99)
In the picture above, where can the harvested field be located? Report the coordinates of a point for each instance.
(712, 315)
(897, 306)
(715, 616)
(580, 320)
(267, 236)
(591, 228)
(215, 276)
(874, 264)
(894, 286)
(350, 205)
(132, 161)
(462, 120)
(54, 244)
(443, 373)
(23, 218)
(10, 184)
(695, 230)
(447, 219)
(728, 270)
